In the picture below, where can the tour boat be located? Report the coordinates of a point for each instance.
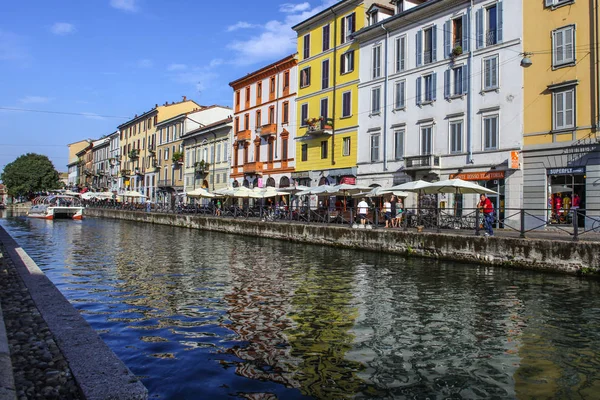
(56, 206)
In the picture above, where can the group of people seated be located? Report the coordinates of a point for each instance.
(391, 209)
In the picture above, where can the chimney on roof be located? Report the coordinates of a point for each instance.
(135, 116)
(166, 103)
(156, 105)
(184, 98)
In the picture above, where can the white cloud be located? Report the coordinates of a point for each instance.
(34, 100)
(125, 5)
(200, 77)
(62, 28)
(277, 38)
(240, 25)
(293, 8)
(176, 67)
(92, 116)
(215, 62)
(145, 63)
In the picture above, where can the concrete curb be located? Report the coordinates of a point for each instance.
(99, 373)
(7, 382)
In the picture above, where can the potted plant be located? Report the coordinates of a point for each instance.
(178, 157)
(134, 153)
(201, 166)
(457, 51)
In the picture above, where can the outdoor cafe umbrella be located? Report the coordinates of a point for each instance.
(345, 190)
(456, 186)
(381, 191)
(264, 193)
(200, 193)
(132, 194)
(294, 189)
(318, 190)
(413, 186)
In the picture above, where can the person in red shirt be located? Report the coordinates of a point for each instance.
(487, 208)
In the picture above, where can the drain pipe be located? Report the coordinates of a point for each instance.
(334, 86)
(469, 89)
(385, 99)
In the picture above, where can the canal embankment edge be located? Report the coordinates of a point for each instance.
(577, 258)
(7, 381)
(99, 373)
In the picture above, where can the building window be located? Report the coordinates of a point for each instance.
(305, 152)
(490, 73)
(373, 17)
(259, 92)
(306, 47)
(284, 149)
(303, 114)
(400, 95)
(347, 62)
(556, 3)
(457, 32)
(247, 99)
(286, 80)
(563, 46)
(258, 118)
(456, 134)
(426, 140)
(272, 115)
(270, 148)
(346, 146)
(399, 144)
(246, 121)
(376, 65)
(376, 100)
(426, 45)
(400, 54)
(285, 114)
(490, 133)
(426, 89)
(325, 74)
(488, 25)
(325, 108)
(375, 147)
(563, 104)
(326, 37)
(323, 149)
(346, 104)
(305, 77)
(237, 125)
(272, 85)
(348, 27)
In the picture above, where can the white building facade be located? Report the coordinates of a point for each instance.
(114, 156)
(441, 96)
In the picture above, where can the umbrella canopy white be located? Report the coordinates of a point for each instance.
(413, 186)
(131, 193)
(239, 192)
(264, 193)
(345, 189)
(381, 191)
(200, 193)
(96, 195)
(457, 186)
(319, 190)
(294, 189)
(71, 193)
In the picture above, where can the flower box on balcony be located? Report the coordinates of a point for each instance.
(125, 172)
(201, 167)
(177, 157)
(134, 154)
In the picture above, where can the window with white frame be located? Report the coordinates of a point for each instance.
(563, 46)
(400, 95)
(346, 104)
(305, 77)
(556, 3)
(455, 81)
(399, 144)
(376, 65)
(426, 140)
(426, 44)
(563, 109)
(219, 152)
(347, 62)
(325, 74)
(303, 114)
(456, 137)
(401, 53)
(426, 89)
(326, 40)
(488, 25)
(375, 139)
(376, 100)
(490, 132)
(346, 146)
(306, 47)
(348, 27)
(490, 73)
(325, 108)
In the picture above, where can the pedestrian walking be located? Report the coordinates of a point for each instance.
(486, 206)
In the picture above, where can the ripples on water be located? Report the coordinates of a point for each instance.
(202, 315)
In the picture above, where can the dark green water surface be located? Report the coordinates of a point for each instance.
(200, 315)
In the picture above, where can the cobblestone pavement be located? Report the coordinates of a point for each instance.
(39, 368)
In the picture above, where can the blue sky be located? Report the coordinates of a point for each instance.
(107, 59)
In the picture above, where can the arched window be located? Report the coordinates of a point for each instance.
(323, 181)
(271, 182)
(236, 183)
(284, 182)
(246, 183)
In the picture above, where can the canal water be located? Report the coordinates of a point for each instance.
(200, 315)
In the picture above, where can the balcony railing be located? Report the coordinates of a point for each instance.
(267, 130)
(152, 148)
(422, 162)
(491, 37)
(255, 167)
(244, 135)
(319, 126)
(165, 183)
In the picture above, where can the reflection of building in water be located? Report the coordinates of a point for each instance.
(259, 303)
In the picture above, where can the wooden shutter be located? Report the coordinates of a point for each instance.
(465, 79)
(434, 86)
(479, 27)
(499, 19)
(466, 39)
(447, 38)
(434, 43)
(447, 83)
(418, 94)
(419, 47)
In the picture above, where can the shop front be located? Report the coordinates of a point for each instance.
(566, 192)
(493, 180)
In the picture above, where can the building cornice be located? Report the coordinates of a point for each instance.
(265, 72)
(325, 15)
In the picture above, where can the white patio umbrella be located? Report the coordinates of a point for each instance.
(200, 193)
(456, 186)
(318, 190)
(381, 191)
(71, 193)
(294, 189)
(241, 192)
(345, 189)
(263, 193)
(413, 186)
(132, 194)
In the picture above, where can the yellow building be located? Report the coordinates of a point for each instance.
(327, 101)
(561, 155)
(145, 156)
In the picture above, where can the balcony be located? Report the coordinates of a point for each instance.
(267, 130)
(165, 183)
(201, 167)
(125, 172)
(244, 135)
(134, 154)
(422, 162)
(253, 168)
(319, 126)
(139, 171)
(152, 148)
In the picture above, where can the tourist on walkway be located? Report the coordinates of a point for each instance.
(387, 212)
(393, 202)
(486, 206)
(399, 211)
(363, 209)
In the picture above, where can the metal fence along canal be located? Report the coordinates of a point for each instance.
(206, 315)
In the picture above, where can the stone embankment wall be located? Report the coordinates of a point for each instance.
(540, 254)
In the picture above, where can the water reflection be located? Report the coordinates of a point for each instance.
(207, 315)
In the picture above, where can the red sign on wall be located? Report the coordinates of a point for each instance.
(350, 180)
(479, 176)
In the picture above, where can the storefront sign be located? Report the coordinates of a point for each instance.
(350, 180)
(479, 176)
(300, 175)
(514, 160)
(567, 171)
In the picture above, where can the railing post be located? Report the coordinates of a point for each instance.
(438, 212)
(351, 217)
(477, 215)
(327, 222)
(522, 224)
(376, 219)
(575, 226)
(405, 219)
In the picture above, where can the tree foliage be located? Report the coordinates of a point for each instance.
(29, 174)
